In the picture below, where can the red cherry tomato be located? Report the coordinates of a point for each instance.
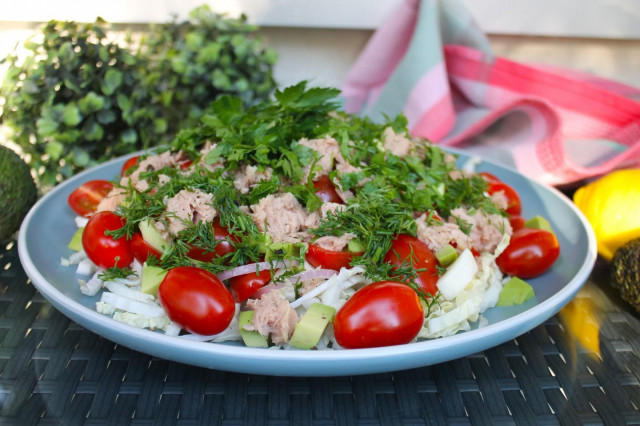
(102, 249)
(517, 222)
(326, 190)
(530, 253)
(141, 249)
(514, 206)
(329, 259)
(85, 199)
(381, 314)
(244, 286)
(489, 177)
(405, 249)
(196, 300)
(222, 248)
(131, 162)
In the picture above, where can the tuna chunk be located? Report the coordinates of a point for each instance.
(330, 156)
(189, 206)
(330, 242)
(397, 144)
(273, 316)
(282, 216)
(437, 236)
(110, 203)
(248, 176)
(486, 229)
(151, 163)
(208, 146)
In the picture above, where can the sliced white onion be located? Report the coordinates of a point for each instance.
(130, 305)
(123, 290)
(340, 278)
(252, 267)
(91, 287)
(86, 267)
(313, 274)
(81, 221)
(458, 275)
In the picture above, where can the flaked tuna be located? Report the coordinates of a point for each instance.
(273, 317)
(112, 200)
(281, 215)
(248, 176)
(397, 144)
(438, 236)
(486, 229)
(189, 207)
(330, 156)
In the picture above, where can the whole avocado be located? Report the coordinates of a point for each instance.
(17, 191)
(625, 272)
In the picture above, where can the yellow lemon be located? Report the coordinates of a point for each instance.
(612, 206)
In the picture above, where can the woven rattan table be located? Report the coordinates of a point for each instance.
(53, 371)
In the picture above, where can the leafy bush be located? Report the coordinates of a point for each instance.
(80, 98)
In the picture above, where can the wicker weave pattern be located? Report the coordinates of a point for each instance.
(53, 371)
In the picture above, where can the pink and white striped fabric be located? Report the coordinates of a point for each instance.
(430, 61)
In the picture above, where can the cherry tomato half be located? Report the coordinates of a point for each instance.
(530, 253)
(141, 249)
(384, 313)
(131, 162)
(326, 190)
(102, 249)
(517, 222)
(514, 206)
(244, 286)
(85, 199)
(489, 177)
(406, 248)
(222, 248)
(329, 259)
(196, 300)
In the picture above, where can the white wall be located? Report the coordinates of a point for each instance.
(318, 40)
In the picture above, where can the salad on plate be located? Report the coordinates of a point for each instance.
(293, 225)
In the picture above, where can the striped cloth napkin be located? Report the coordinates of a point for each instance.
(430, 61)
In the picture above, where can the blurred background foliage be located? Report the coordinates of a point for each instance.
(80, 97)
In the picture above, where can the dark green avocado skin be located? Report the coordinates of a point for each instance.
(17, 192)
(625, 273)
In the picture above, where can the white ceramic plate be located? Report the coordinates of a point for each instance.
(46, 230)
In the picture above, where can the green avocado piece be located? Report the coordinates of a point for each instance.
(311, 326)
(152, 236)
(251, 338)
(515, 292)
(356, 246)
(625, 273)
(18, 192)
(538, 222)
(152, 276)
(446, 255)
(76, 240)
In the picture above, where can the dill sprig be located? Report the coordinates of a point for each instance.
(115, 272)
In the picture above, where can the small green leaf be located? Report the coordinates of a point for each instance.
(80, 157)
(129, 136)
(112, 80)
(54, 149)
(90, 103)
(71, 115)
(46, 127)
(93, 131)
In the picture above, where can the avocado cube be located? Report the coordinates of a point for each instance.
(251, 338)
(152, 276)
(309, 329)
(515, 292)
(76, 240)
